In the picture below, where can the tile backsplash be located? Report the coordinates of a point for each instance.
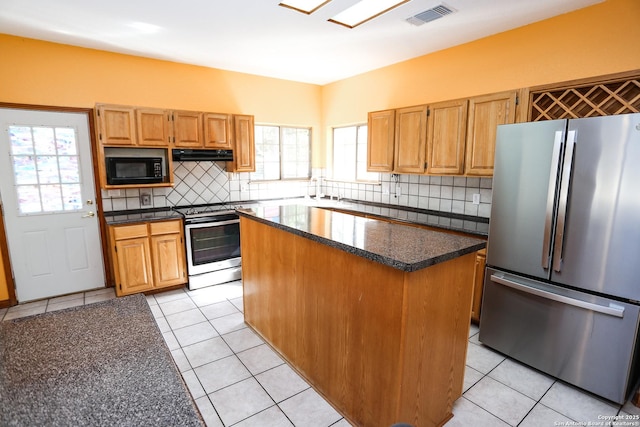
(209, 182)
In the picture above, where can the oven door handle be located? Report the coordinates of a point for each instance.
(209, 223)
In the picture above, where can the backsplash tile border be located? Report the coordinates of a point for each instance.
(209, 182)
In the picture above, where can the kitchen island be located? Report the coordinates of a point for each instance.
(374, 315)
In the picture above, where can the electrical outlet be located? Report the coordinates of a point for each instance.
(476, 199)
(145, 200)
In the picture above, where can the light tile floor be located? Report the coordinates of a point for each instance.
(238, 380)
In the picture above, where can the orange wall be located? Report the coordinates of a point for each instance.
(53, 74)
(596, 40)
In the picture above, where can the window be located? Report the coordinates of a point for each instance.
(350, 154)
(45, 168)
(282, 153)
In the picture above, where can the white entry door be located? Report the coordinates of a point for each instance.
(48, 197)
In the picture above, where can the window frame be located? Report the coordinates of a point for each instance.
(359, 180)
(280, 153)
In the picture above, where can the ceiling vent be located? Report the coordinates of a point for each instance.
(430, 15)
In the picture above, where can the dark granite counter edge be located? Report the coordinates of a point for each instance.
(140, 215)
(365, 254)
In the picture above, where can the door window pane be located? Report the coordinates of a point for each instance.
(48, 181)
(29, 198)
(44, 141)
(47, 169)
(21, 140)
(25, 170)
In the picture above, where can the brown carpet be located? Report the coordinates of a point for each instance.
(102, 364)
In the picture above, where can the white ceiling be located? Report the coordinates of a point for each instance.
(260, 37)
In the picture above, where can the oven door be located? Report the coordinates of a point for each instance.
(212, 246)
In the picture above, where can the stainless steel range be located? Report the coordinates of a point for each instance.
(213, 244)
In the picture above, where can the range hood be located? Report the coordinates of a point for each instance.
(189, 155)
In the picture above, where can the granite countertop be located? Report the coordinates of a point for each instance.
(476, 226)
(140, 215)
(472, 225)
(402, 247)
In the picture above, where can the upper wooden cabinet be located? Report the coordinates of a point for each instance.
(217, 131)
(485, 114)
(396, 140)
(244, 149)
(410, 139)
(447, 129)
(153, 127)
(116, 125)
(187, 129)
(455, 137)
(380, 144)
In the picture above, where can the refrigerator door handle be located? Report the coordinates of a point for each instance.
(616, 311)
(563, 201)
(551, 194)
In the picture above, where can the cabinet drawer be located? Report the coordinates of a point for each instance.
(165, 227)
(129, 231)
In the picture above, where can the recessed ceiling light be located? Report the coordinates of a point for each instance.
(304, 6)
(365, 10)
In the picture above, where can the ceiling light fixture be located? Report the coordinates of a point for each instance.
(304, 6)
(364, 11)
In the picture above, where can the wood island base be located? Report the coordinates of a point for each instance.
(382, 345)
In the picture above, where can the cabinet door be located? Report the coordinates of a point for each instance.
(485, 114)
(167, 253)
(134, 272)
(447, 129)
(410, 139)
(152, 127)
(217, 131)
(478, 284)
(244, 150)
(116, 125)
(380, 129)
(187, 129)
(168, 260)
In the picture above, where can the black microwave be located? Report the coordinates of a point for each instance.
(134, 170)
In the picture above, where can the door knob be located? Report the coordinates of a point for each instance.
(89, 215)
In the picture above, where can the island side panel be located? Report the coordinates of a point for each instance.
(382, 345)
(342, 318)
(269, 285)
(351, 318)
(435, 337)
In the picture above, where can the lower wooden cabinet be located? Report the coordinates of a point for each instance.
(478, 284)
(147, 256)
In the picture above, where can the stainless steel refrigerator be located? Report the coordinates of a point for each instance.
(562, 284)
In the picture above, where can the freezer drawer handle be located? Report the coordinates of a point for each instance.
(611, 311)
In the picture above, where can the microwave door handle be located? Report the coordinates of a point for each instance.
(551, 194)
(563, 201)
